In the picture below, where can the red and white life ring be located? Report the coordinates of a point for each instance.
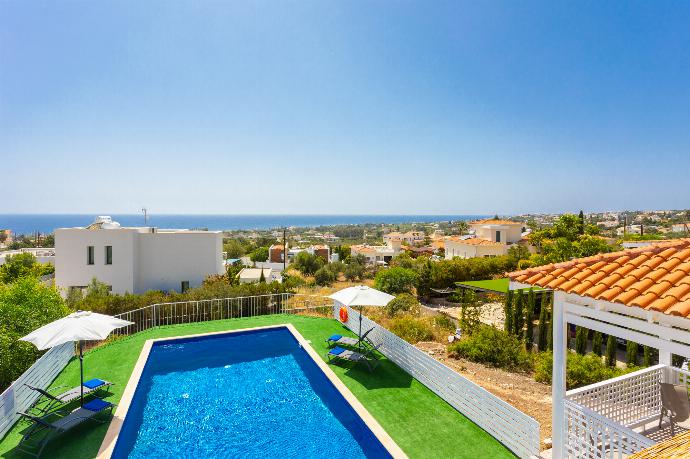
(343, 314)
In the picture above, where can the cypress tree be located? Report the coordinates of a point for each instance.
(549, 324)
(631, 353)
(596, 343)
(529, 325)
(582, 223)
(581, 340)
(519, 314)
(262, 278)
(647, 359)
(508, 312)
(542, 328)
(611, 351)
(424, 284)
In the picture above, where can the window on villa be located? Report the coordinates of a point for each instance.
(108, 254)
(498, 236)
(89, 255)
(184, 286)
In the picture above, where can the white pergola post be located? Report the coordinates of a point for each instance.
(560, 351)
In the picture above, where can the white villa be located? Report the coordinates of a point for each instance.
(135, 259)
(641, 295)
(253, 275)
(44, 255)
(378, 253)
(681, 227)
(410, 237)
(488, 238)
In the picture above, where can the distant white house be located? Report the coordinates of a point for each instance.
(135, 259)
(488, 238)
(410, 237)
(253, 275)
(378, 253)
(42, 254)
(680, 227)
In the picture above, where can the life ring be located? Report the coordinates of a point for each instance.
(343, 314)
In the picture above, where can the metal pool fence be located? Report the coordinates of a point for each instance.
(184, 312)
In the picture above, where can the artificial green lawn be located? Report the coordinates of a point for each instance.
(496, 285)
(421, 423)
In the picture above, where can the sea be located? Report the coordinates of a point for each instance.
(47, 223)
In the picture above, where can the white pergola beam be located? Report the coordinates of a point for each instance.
(560, 349)
(630, 335)
(627, 322)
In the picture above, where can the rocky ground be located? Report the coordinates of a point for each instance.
(518, 389)
(491, 313)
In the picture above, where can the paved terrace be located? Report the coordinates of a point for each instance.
(421, 423)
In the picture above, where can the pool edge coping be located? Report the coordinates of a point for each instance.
(108, 444)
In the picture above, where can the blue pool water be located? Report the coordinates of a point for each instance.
(247, 394)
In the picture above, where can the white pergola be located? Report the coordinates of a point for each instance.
(598, 421)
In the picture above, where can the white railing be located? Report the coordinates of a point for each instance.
(593, 436)
(183, 312)
(600, 417)
(516, 430)
(18, 397)
(630, 400)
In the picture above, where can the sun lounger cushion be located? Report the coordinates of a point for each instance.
(336, 351)
(94, 383)
(97, 405)
(335, 337)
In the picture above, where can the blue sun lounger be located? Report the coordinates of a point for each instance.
(50, 400)
(34, 446)
(368, 358)
(341, 340)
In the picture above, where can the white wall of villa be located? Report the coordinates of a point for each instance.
(378, 253)
(505, 232)
(461, 249)
(142, 258)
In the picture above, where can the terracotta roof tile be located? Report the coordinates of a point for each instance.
(655, 277)
(680, 309)
(685, 267)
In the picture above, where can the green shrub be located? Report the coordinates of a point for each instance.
(308, 263)
(412, 330)
(581, 370)
(324, 276)
(396, 280)
(25, 305)
(403, 303)
(493, 347)
(444, 322)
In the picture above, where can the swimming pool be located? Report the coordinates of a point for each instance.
(253, 393)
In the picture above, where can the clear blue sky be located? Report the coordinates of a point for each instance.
(343, 106)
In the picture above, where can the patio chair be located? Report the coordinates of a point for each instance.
(368, 358)
(43, 406)
(54, 428)
(675, 405)
(348, 341)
